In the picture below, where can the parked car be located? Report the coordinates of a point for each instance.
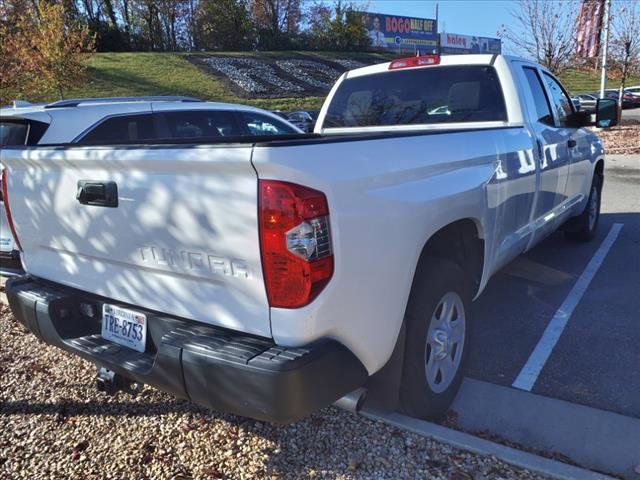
(9, 254)
(273, 277)
(134, 119)
(314, 114)
(296, 120)
(635, 90)
(628, 100)
(443, 110)
(302, 120)
(576, 103)
(13, 133)
(123, 120)
(587, 101)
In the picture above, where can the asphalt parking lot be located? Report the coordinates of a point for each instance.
(578, 304)
(596, 361)
(633, 113)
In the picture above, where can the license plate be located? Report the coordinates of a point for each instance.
(124, 327)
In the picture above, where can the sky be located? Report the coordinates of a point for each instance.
(469, 17)
(483, 18)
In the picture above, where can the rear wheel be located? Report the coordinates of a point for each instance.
(437, 323)
(583, 227)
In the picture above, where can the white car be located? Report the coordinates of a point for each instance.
(12, 133)
(97, 120)
(9, 255)
(635, 90)
(587, 100)
(273, 276)
(134, 119)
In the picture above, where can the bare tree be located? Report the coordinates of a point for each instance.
(625, 42)
(544, 31)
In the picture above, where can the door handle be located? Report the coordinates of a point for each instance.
(571, 143)
(99, 194)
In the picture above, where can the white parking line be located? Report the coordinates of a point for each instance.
(528, 376)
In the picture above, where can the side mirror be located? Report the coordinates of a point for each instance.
(606, 113)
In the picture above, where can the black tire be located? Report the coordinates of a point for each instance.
(435, 279)
(583, 227)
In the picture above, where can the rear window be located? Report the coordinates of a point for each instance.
(121, 129)
(21, 132)
(466, 93)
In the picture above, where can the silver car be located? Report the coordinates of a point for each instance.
(587, 100)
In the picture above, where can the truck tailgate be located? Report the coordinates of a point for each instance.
(182, 240)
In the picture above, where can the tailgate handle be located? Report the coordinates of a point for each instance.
(99, 194)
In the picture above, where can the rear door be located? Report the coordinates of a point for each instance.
(181, 238)
(552, 152)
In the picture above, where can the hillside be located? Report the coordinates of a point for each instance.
(577, 81)
(150, 73)
(272, 80)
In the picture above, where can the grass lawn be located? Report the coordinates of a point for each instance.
(154, 73)
(577, 82)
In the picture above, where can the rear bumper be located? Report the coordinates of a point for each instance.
(217, 368)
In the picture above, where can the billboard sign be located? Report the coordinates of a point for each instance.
(402, 33)
(453, 43)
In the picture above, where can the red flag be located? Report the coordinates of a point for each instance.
(588, 27)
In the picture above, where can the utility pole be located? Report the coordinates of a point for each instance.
(605, 47)
(437, 32)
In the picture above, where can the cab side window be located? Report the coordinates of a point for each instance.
(543, 109)
(559, 99)
(121, 129)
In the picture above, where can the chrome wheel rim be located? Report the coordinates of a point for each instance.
(593, 208)
(445, 342)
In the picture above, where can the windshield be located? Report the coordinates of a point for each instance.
(466, 93)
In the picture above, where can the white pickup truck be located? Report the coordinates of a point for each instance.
(272, 276)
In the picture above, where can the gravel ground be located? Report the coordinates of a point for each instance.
(623, 138)
(54, 424)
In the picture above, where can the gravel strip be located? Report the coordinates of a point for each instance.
(315, 74)
(54, 424)
(251, 75)
(623, 138)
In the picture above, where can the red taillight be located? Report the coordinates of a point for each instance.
(5, 199)
(410, 62)
(295, 238)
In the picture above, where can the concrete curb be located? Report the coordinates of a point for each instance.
(595, 439)
(465, 441)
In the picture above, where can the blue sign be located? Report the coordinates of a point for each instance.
(396, 32)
